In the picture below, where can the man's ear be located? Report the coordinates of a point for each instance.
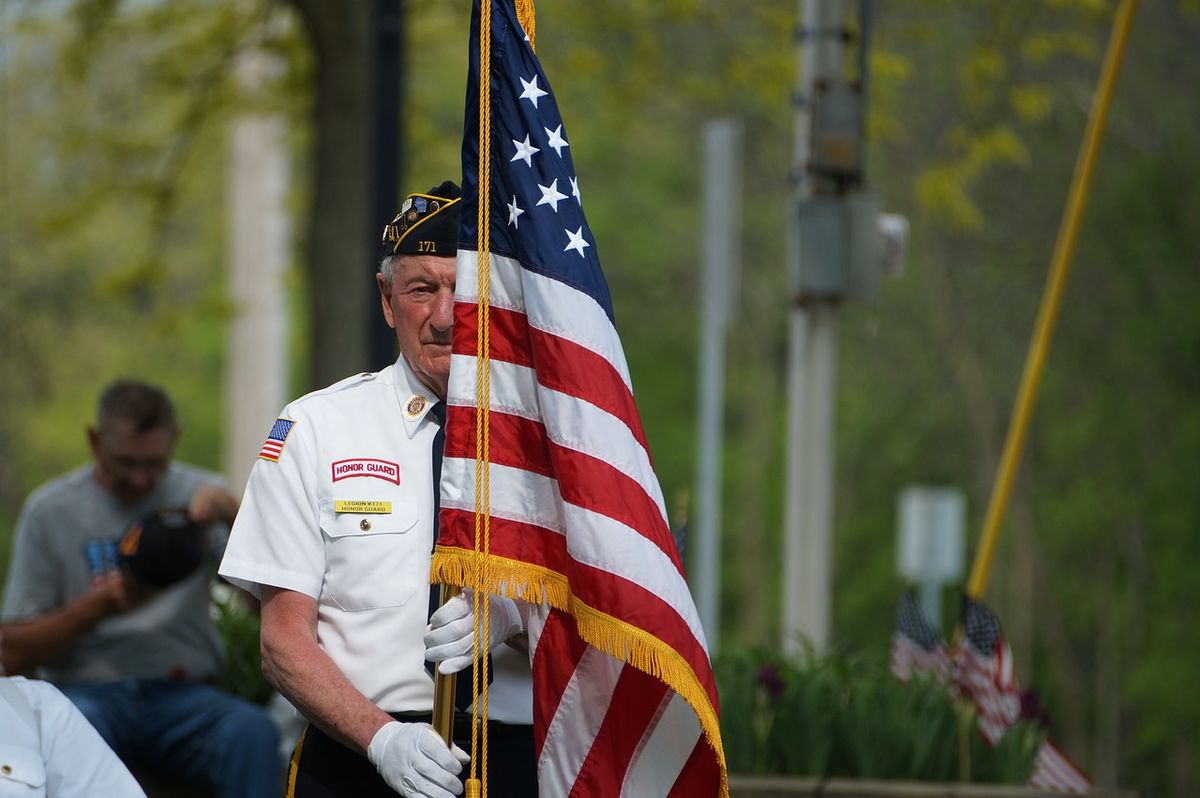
(385, 296)
(93, 438)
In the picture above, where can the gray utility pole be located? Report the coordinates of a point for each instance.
(259, 250)
(722, 225)
(833, 254)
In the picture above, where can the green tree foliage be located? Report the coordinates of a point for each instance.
(111, 241)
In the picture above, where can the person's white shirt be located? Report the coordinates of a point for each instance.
(48, 748)
(339, 507)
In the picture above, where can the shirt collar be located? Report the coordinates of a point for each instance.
(413, 398)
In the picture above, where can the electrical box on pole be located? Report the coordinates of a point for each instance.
(837, 245)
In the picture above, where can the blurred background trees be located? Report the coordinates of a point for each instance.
(112, 151)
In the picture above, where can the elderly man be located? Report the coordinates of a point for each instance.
(136, 649)
(335, 535)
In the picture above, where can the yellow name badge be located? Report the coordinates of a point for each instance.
(364, 507)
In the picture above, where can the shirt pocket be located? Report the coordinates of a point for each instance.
(21, 772)
(374, 560)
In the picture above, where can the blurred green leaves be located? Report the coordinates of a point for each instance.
(848, 717)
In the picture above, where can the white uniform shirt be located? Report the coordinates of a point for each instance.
(47, 748)
(339, 507)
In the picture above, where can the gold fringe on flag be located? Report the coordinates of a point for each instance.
(527, 17)
(535, 585)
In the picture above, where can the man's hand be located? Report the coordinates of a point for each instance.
(117, 592)
(211, 503)
(414, 760)
(450, 639)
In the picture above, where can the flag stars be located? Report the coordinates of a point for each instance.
(556, 140)
(575, 191)
(525, 151)
(551, 196)
(576, 241)
(531, 91)
(514, 212)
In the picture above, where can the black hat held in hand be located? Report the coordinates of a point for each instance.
(162, 548)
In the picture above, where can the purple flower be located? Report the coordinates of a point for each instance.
(768, 678)
(1032, 709)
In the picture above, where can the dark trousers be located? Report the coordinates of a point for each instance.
(324, 768)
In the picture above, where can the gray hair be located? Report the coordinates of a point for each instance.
(387, 267)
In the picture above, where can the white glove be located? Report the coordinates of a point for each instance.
(414, 760)
(450, 636)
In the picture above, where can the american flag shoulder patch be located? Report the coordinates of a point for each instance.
(273, 447)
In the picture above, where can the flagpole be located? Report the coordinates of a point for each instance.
(1060, 268)
(444, 685)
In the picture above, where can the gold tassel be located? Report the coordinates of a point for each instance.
(525, 15)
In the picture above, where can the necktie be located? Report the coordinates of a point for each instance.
(437, 414)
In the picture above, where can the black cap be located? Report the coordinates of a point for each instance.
(162, 548)
(427, 224)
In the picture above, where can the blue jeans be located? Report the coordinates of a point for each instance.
(191, 733)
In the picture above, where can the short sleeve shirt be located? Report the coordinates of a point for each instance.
(67, 535)
(47, 747)
(339, 507)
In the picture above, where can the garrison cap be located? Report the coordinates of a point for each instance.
(427, 224)
(162, 548)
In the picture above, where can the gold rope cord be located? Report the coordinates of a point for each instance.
(482, 382)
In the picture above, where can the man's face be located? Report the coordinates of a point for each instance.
(419, 306)
(129, 464)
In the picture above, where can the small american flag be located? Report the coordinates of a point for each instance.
(625, 702)
(273, 447)
(917, 646)
(1054, 771)
(984, 671)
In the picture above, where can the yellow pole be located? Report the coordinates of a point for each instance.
(1060, 267)
(443, 685)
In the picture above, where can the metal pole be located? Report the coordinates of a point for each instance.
(722, 222)
(812, 366)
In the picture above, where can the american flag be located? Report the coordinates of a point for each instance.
(1052, 770)
(625, 702)
(273, 446)
(984, 671)
(917, 646)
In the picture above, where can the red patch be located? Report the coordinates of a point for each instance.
(367, 467)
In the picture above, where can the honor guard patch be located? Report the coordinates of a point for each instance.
(273, 447)
(367, 467)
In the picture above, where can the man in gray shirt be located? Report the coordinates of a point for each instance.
(137, 660)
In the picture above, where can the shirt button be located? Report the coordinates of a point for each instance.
(6, 769)
(364, 525)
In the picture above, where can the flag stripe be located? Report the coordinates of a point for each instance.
(634, 578)
(557, 651)
(636, 699)
(570, 422)
(699, 773)
(661, 759)
(1054, 770)
(552, 305)
(562, 364)
(590, 483)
